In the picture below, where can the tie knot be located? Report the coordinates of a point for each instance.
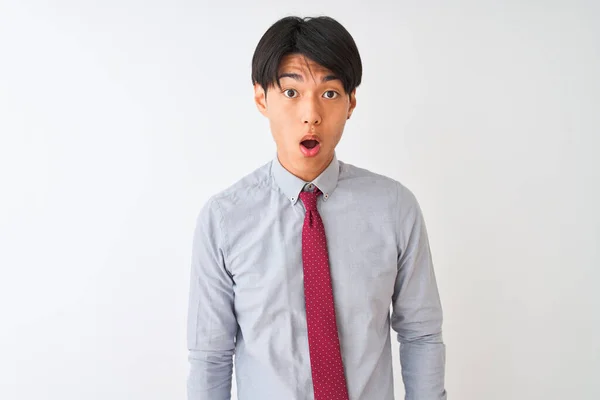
(310, 199)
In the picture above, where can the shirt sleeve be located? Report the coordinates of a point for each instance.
(211, 326)
(417, 311)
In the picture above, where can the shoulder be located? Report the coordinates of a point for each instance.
(244, 193)
(377, 183)
(254, 182)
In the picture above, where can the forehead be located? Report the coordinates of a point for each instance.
(298, 63)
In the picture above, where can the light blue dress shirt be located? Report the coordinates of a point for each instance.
(247, 297)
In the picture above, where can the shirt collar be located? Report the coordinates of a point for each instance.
(291, 185)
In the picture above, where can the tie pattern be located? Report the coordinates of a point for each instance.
(326, 364)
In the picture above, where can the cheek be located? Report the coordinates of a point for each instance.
(338, 119)
(337, 125)
(281, 126)
(281, 118)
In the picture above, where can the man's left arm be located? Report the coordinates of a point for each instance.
(417, 310)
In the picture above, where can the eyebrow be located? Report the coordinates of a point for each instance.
(299, 77)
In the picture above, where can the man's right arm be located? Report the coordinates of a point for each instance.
(211, 321)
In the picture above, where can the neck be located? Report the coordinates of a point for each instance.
(309, 173)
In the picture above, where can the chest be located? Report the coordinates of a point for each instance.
(267, 268)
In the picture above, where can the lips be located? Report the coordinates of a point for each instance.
(310, 137)
(310, 145)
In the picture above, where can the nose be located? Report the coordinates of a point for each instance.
(311, 115)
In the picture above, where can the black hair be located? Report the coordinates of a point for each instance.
(321, 39)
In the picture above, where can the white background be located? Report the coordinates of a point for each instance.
(118, 119)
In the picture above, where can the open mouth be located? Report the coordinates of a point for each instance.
(309, 144)
(310, 147)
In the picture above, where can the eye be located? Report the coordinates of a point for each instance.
(331, 94)
(290, 93)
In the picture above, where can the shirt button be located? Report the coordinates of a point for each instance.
(326, 195)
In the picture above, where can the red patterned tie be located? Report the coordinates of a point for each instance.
(324, 346)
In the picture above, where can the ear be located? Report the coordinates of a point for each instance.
(260, 99)
(352, 103)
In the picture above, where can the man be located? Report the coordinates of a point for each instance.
(295, 266)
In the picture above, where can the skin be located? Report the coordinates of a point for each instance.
(311, 101)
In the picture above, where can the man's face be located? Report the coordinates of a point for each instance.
(311, 102)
